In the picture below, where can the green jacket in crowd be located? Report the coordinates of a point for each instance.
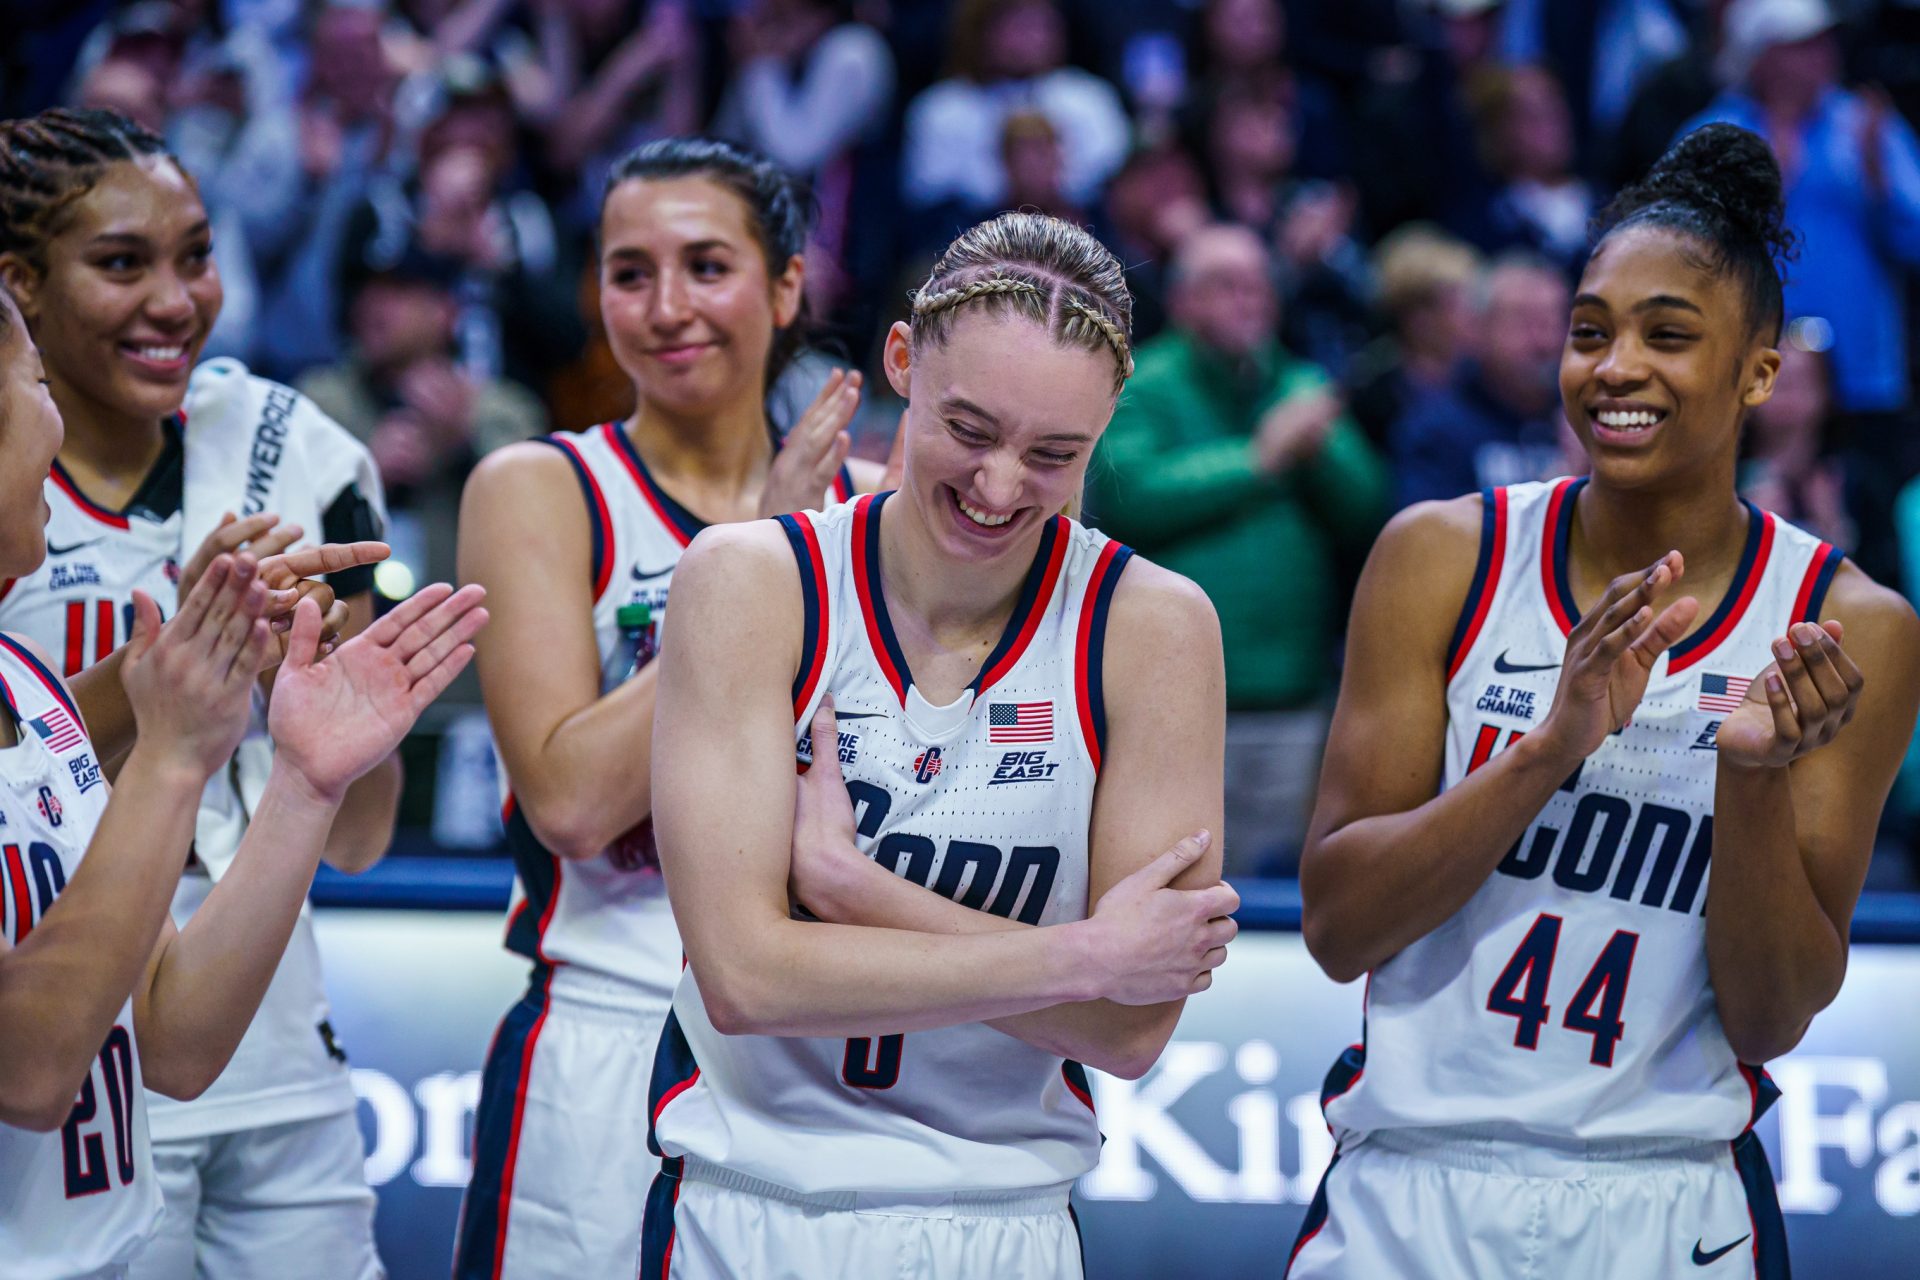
(1175, 478)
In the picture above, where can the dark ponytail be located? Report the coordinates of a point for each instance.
(780, 207)
(1719, 186)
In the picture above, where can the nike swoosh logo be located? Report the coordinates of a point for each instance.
(1506, 668)
(1702, 1259)
(641, 575)
(70, 547)
(857, 715)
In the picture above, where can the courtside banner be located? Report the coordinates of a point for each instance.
(1209, 1160)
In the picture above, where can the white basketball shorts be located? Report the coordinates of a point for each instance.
(1447, 1205)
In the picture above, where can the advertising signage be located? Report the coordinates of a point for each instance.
(1209, 1160)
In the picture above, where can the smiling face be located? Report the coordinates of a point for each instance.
(129, 293)
(685, 294)
(30, 436)
(1660, 362)
(1001, 421)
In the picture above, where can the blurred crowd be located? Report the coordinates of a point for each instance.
(1350, 228)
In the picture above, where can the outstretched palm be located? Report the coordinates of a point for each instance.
(333, 719)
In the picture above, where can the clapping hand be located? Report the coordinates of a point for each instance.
(812, 453)
(335, 718)
(1798, 704)
(190, 682)
(1610, 656)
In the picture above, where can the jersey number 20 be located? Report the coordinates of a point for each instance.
(85, 1154)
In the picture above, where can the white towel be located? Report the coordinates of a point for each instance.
(251, 446)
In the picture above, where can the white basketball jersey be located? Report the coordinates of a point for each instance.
(84, 1197)
(609, 913)
(78, 606)
(1569, 998)
(987, 801)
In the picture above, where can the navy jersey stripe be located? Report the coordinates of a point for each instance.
(539, 875)
(1817, 598)
(1093, 649)
(684, 522)
(1482, 570)
(867, 538)
(1036, 590)
(657, 1227)
(1561, 590)
(1739, 591)
(597, 514)
(674, 1069)
(1316, 1217)
(496, 1127)
(811, 607)
(39, 668)
(1763, 1208)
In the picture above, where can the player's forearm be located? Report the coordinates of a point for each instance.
(363, 828)
(209, 982)
(1774, 958)
(62, 987)
(803, 979)
(104, 706)
(1377, 885)
(1122, 1040)
(591, 779)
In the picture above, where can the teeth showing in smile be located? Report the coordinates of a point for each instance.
(978, 516)
(1627, 419)
(159, 353)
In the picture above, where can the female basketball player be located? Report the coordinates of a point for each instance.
(98, 990)
(1564, 1024)
(700, 286)
(897, 1091)
(105, 243)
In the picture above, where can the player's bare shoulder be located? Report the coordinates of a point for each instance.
(1158, 617)
(1419, 572)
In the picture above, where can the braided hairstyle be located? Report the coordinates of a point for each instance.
(1720, 188)
(780, 208)
(1028, 264)
(50, 160)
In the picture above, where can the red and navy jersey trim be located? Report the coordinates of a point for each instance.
(1740, 592)
(1704, 638)
(1316, 1216)
(675, 1070)
(540, 876)
(1090, 648)
(873, 602)
(1077, 1083)
(47, 678)
(842, 484)
(1813, 588)
(480, 1247)
(1042, 575)
(1553, 559)
(1486, 579)
(597, 514)
(683, 524)
(813, 595)
(1035, 592)
(112, 519)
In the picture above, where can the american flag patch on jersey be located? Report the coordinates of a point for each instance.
(59, 730)
(1020, 722)
(1722, 694)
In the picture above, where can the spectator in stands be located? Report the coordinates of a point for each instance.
(425, 418)
(1790, 466)
(1525, 136)
(1036, 169)
(1008, 56)
(1500, 422)
(345, 139)
(811, 89)
(1158, 198)
(1425, 280)
(1233, 462)
(1852, 170)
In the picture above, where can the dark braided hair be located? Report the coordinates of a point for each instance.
(50, 160)
(779, 206)
(1720, 187)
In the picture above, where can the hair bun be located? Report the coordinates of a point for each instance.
(1724, 171)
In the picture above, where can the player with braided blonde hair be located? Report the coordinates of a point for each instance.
(999, 850)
